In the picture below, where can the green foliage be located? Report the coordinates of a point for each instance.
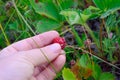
(46, 25)
(63, 16)
(96, 71)
(50, 11)
(25, 2)
(73, 16)
(87, 63)
(67, 74)
(84, 60)
(80, 17)
(107, 6)
(92, 12)
(106, 76)
(47, 9)
(65, 4)
(14, 26)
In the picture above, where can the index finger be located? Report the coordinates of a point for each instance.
(40, 40)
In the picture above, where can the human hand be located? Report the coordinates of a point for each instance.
(23, 60)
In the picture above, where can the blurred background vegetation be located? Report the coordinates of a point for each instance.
(91, 29)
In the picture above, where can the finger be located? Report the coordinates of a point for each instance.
(42, 67)
(40, 56)
(49, 73)
(34, 42)
(39, 69)
(32, 78)
(36, 71)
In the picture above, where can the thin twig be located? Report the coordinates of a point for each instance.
(101, 37)
(96, 57)
(66, 31)
(116, 73)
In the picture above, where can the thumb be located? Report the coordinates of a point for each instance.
(40, 56)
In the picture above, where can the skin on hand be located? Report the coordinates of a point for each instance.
(23, 60)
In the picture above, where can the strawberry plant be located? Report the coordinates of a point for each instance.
(91, 31)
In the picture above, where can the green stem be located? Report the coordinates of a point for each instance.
(95, 57)
(101, 31)
(79, 41)
(23, 18)
(6, 38)
(9, 20)
(19, 36)
(91, 34)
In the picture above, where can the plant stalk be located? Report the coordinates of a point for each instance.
(6, 38)
(95, 57)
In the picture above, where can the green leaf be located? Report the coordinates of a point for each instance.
(96, 71)
(45, 0)
(65, 4)
(77, 37)
(86, 63)
(102, 4)
(84, 60)
(68, 75)
(80, 17)
(107, 6)
(107, 76)
(74, 16)
(47, 9)
(14, 26)
(108, 12)
(92, 12)
(46, 25)
(25, 2)
(2, 18)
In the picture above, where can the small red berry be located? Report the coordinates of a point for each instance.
(61, 41)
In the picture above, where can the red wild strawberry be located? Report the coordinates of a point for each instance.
(61, 41)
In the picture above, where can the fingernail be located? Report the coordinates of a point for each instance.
(55, 48)
(62, 52)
